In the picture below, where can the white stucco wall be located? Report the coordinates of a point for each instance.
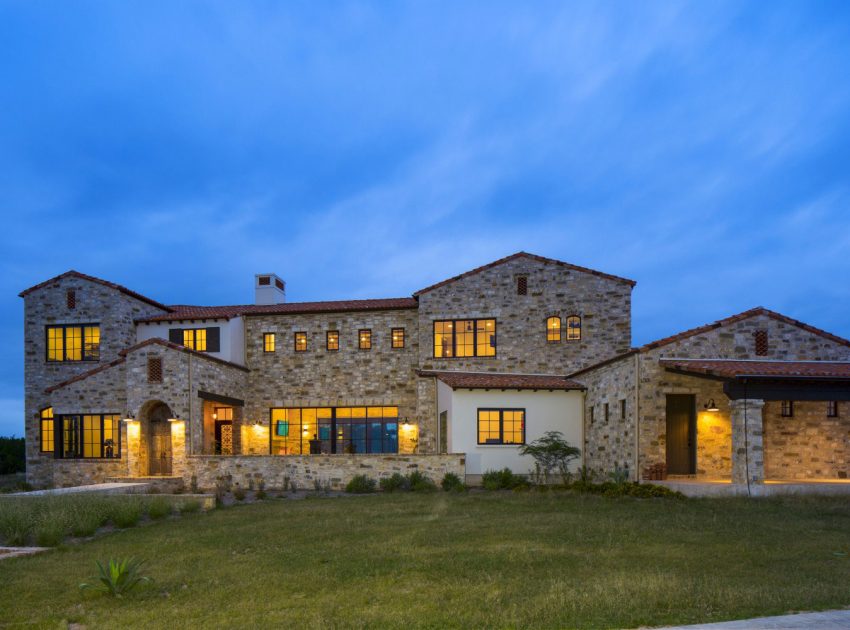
(232, 335)
(544, 411)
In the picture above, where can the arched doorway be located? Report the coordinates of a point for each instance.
(157, 437)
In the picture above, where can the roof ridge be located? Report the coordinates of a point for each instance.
(72, 273)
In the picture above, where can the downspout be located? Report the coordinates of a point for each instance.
(583, 427)
(637, 416)
(189, 394)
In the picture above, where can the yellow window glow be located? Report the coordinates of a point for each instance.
(268, 342)
(553, 329)
(47, 430)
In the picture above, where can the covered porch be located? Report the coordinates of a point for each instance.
(784, 424)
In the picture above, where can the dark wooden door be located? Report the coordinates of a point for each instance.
(160, 447)
(681, 434)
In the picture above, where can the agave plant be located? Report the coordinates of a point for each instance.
(117, 577)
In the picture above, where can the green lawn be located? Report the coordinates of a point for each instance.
(445, 560)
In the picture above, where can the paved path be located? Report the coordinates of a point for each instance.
(102, 488)
(828, 620)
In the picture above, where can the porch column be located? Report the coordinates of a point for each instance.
(747, 443)
(237, 430)
(134, 448)
(178, 448)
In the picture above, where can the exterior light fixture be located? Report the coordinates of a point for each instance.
(174, 419)
(215, 416)
(710, 406)
(129, 417)
(405, 423)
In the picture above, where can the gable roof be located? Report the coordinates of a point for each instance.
(106, 283)
(685, 334)
(184, 312)
(542, 259)
(123, 357)
(492, 380)
(743, 368)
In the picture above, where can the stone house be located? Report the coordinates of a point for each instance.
(454, 378)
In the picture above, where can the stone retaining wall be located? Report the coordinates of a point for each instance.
(305, 471)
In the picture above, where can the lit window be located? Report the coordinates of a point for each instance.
(364, 338)
(73, 343)
(318, 430)
(47, 430)
(300, 342)
(195, 339)
(333, 340)
(465, 338)
(573, 328)
(787, 409)
(501, 426)
(268, 342)
(91, 437)
(398, 337)
(832, 409)
(553, 329)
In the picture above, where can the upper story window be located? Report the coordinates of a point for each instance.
(364, 339)
(573, 328)
(787, 409)
(522, 285)
(622, 409)
(760, 342)
(332, 342)
(553, 329)
(465, 338)
(199, 339)
(501, 426)
(268, 342)
(300, 342)
(832, 409)
(73, 343)
(398, 337)
(47, 434)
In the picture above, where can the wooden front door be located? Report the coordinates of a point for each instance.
(160, 447)
(681, 434)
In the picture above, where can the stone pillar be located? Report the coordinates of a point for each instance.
(747, 444)
(238, 413)
(134, 448)
(178, 448)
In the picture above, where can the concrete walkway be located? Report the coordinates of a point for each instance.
(97, 488)
(828, 620)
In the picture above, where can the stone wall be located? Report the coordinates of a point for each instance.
(304, 471)
(96, 303)
(382, 376)
(603, 303)
(808, 445)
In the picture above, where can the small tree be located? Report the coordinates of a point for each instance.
(552, 452)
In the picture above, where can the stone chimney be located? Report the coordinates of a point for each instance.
(269, 289)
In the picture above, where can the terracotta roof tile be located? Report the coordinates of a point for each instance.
(106, 283)
(491, 380)
(723, 368)
(501, 261)
(184, 312)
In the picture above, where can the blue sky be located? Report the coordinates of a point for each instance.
(368, 150)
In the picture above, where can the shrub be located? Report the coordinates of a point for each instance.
(395, 483)
(619, 475)
(85, 524)
(360, 484)
(503, 479)
(15, 526)
(50, 533)
(12, 455)
(125, 513)
(189, 507)
(239, 493)
(551, 452)
(627, 489)
(452, 483)
(159, 508)
(117, 577)
(420, 483)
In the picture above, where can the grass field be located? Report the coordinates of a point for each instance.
(446, 560)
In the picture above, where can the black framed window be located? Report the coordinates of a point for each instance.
(300, 342)
(456, 338)
(397, 338)
(47, 435)
(553, 329)
(364, 339)
(89, 436)
(605, 411)
(73, 342)
(195, 339)
(332, 340)
(318, 430)
(268, 342)
(573, 328)
(622, 409)
(198, 339)
(501, 426)
(832, 409)
(787, 409)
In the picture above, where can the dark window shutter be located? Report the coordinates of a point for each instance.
(175, 335)
(214, 339)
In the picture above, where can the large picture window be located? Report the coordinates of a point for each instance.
(73, 343)
(465, 338)
(47, 435)
(316, 430)
(501, 426)
(92, 436)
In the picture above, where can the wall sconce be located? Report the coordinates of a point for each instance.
(215, 416)
(710, 406)
(129, 417)
(174, 420)
(405, 423)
